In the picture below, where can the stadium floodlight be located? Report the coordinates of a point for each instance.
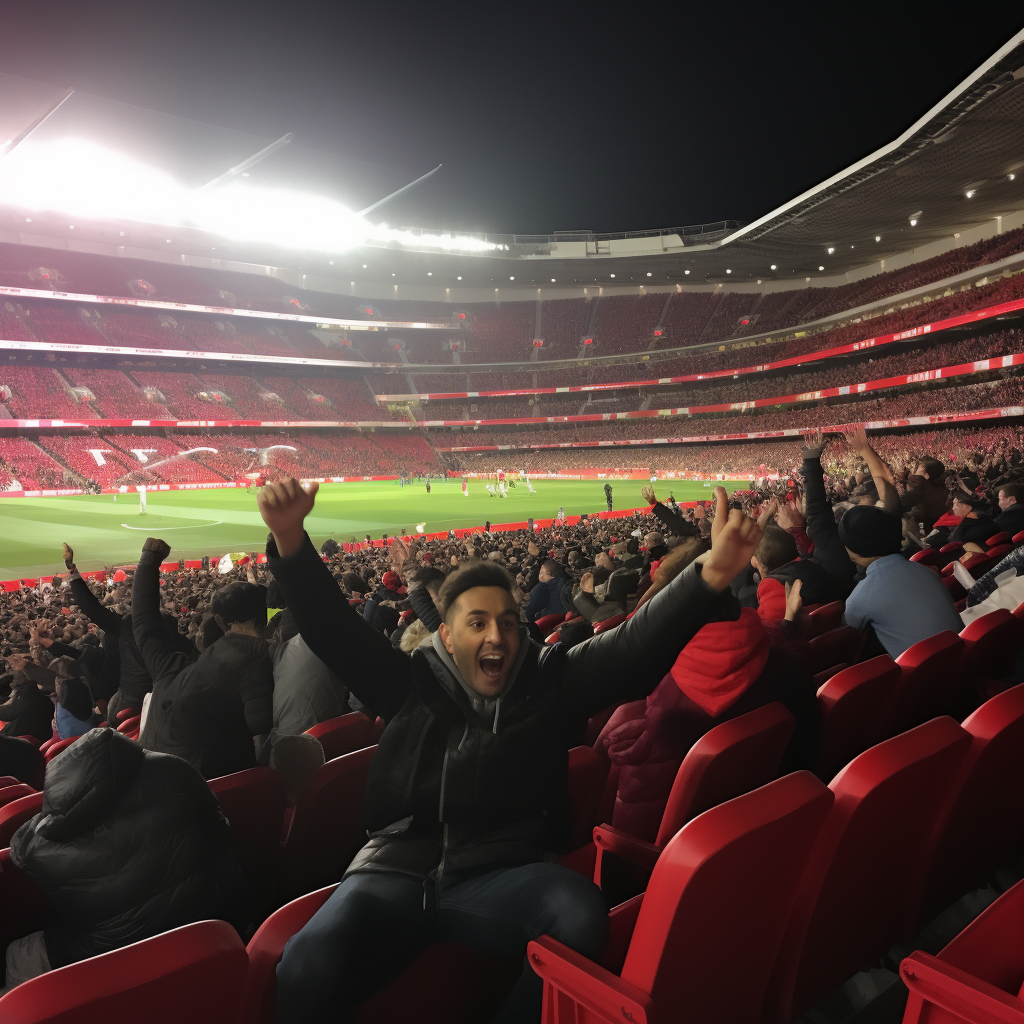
(685, 271)
(774, 267)
(878, 238)
(821, 268)
(243, 167)
(87, 181)
(969, 193)
(1011, 176)
(831, 249)
(25, 132)
(728, 271)
(913, 222)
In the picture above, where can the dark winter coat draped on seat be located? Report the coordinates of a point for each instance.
(128, 844)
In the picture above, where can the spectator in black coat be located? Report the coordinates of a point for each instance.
(466, 799)
(123, 679)
(28, 711)
(129, 844)
(217, 712)
(22, 761)
(1011, 509)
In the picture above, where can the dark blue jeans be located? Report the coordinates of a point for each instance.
(374, 924)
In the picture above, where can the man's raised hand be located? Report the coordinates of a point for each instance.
(69, 557)
(733, 541)
(814, 444)
(159, 547)
(587, 583)
(284, 505)
(769, 510)
(721, 513)
(648, 495)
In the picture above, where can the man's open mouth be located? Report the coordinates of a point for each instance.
(492, 664)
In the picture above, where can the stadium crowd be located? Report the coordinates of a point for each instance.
(668, 623)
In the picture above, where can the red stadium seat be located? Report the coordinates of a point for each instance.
(130, 725)
(985, 818)
(8, 780)
(735, 757)
(124, 713)
(991, 643)
(57, 747)
(196, 973)
(345, 733)
(929, 556)
(841, 644)
(326, 829)
(14, 814)
(850, 904)
(849, 703)
(546, 623)
(821, 619)
(1017, 538)
(609, 623)
(253, 801)
(976, 979)
(14, 792)
(997, 539)
(928, 671)
(588, 773)
(719, 897)
(999, 552)
(448, 983)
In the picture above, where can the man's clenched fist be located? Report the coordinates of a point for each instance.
(159, 547)
(284, 505)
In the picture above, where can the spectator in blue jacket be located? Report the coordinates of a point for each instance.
(546, 596)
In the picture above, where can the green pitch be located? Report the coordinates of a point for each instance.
(195, 523)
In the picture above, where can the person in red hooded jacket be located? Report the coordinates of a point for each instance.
(726, 670)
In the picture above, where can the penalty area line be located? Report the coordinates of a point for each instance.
(192, 526)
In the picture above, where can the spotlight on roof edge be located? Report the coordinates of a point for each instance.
(88, 181)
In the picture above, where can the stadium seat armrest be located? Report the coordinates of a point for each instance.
(571, 978)
(932, 981)
(637, 851)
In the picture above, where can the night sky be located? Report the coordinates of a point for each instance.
(544, 118)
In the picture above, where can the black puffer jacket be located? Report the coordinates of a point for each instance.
(28, 711)
(449, 793)
(206, 712)
(128, 844)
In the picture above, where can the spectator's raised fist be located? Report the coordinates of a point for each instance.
(587, 583)
(69, 557)
(157, 546)
(284, 505)
(649, 495)
(734, 540)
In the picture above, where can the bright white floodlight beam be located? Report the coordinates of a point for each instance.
(395, 195)
(233, 172)
(34, 124)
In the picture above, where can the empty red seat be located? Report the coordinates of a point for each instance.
(124, 713)
(821, 619)
(15, 792)
(983, 823)
(976, 978)
(8, 780)
(838, 645)
(253, 801)
(850, 905)
(719, 897)
(929, 556)
(345, 733)
(1017, 538)
(326, 829)
(999, 552)
(16, 813)
(57, 747)
(928, 672)
(998, 538)
(849, 703)
(991, 643)
(546, 623)
(195, 973)
(735, 757)
(130, 725)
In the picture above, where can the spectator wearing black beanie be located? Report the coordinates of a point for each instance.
(903, 602)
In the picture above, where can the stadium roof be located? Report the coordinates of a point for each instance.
(958, 166)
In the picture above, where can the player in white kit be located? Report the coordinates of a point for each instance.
(142, 499)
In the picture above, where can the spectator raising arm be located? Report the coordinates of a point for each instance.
(159, 653)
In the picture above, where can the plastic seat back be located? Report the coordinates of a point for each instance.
(974, 978)
(195, 973)
(253, 801)
(849, 703)
(57, 747)
(850, 905)
(14, 792)
(326, 829)
(841, 644)
(14, 814)
(822, 619)
(999, 551)
(588, 773)
(928, 671)
(991, 643)
(610, 623)
(985, 818)
(719, 896)
(727, 761)
(130, 724)
(548, 622)
(344, 734)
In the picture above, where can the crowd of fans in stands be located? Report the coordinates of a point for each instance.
(450, 630)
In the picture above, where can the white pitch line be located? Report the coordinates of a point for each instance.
(161, 529)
